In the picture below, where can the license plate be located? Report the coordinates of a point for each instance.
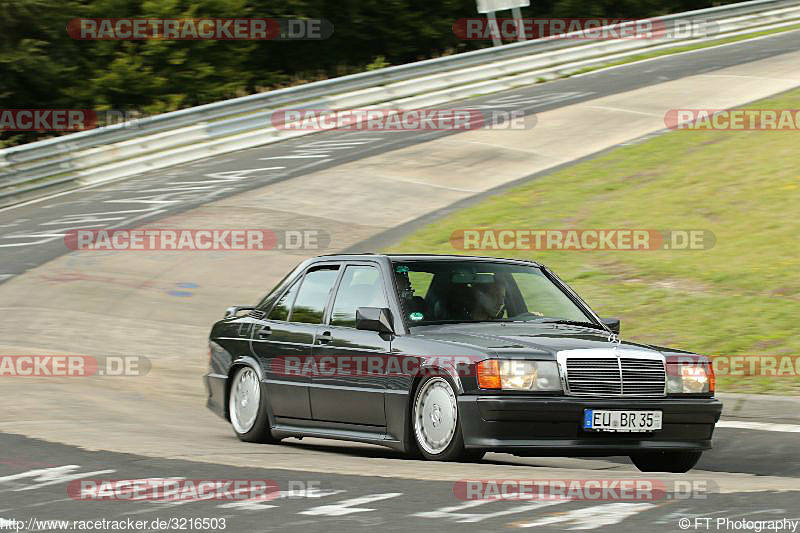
(630, 421)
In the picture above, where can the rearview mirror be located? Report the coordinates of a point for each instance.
(611, 323)
(472, 277)
(374, 319)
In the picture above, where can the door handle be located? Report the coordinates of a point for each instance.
(325, 337)
(264, 332)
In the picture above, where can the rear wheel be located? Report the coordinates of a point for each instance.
(247, 407)
(435, 423)
(676, 462)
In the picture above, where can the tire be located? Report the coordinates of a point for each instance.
(675, 462)
(435, 423)
(247, 407)
(472, 455)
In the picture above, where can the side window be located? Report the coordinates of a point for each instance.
(361, 286)
(309, 306)
(284, 305)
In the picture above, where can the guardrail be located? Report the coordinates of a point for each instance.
(137, 146)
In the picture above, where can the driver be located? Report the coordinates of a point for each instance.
(489, 301)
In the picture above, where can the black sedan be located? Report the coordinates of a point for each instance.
(448, 357)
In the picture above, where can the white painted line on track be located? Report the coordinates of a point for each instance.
(620, 110)
(458, 513)
(760, 426)
(591, 517)
(349, 506)
(44, 477)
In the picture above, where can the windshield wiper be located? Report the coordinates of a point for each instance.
(571, 323)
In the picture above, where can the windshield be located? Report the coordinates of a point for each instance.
(436, 292)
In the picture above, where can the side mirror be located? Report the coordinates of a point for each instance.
(233, 311)
(611, 323)
(374, 319)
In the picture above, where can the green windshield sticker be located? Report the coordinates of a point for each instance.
(416, 316)
(401, 269)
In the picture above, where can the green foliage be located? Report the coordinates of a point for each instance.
(42, 67)
(378, 63)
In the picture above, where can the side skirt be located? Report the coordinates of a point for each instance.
(291, 427)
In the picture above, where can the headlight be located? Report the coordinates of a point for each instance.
(690, 378)
(517, 374)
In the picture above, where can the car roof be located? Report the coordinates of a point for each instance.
(423, 257)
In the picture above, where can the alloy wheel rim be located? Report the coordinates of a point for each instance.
(245, 400)
(435, 416)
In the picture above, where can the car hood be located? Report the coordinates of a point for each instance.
(533, 339)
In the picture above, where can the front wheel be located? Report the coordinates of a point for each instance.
(247, 407)
(676, 462)
(435, 422)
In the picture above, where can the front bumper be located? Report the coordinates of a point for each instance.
(538, 425)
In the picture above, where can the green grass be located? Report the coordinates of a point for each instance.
(740, 297)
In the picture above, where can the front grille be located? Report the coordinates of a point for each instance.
(613, 376)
